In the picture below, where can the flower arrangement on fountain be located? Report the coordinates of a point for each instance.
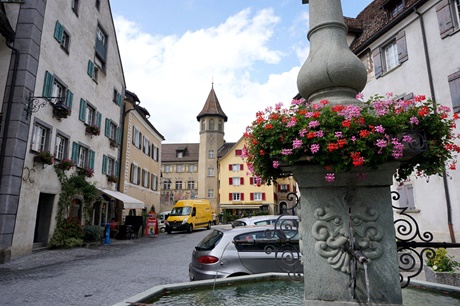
(353, 136)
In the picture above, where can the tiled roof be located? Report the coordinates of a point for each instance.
(212, 107)
(374, 19)
(225, 149)
(169, 152)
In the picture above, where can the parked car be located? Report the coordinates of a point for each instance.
(188, 215)
(246, 250)
(161, 220)
(260, 220)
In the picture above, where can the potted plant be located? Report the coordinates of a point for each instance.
(113, 143)
(65, 164)
(44, 157)
(88, 172)
(342, 138)
(93, 130)
(112, 179)
(61, 111)
(441, 268)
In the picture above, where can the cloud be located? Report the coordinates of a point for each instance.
(172, 75)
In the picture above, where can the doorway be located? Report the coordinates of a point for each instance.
(43, 219)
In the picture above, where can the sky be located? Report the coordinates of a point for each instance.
(250, 51)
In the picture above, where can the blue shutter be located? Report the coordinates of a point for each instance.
(75, 149)
(117, 168)
(82, 114)
(68, 99)
(98, 119)
(107, 127)
(91, 159)
(58, 31)
(119, 99)
(90, 68)
(104, 164)
(48, 85)
(119, 131)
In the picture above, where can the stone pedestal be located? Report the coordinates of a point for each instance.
(332, 212)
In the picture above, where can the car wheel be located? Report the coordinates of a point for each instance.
(162, 230)
(209, 225)
(190, 228)
(168, 230)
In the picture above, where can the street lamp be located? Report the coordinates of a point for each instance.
(35, 103)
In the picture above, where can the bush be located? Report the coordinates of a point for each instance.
(92, 232)
(68, 234)
(442, 262)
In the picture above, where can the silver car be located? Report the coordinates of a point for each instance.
(260, 220)
(247, 250)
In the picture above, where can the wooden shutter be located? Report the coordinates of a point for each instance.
(454, 85)
(117, 168)
(402, 47)
(251, 181)
(119, 99)
(279, 187)
(230, 168)
(98, 119)
(91, 159)
(131, 173)
(230, 198)
(288, 188)
(107, 127)
(82, 113)
(68, 99)
(58, 31)
(241, 180)
(377, 59)
(104, 164)
(251, 196)
(242, 196)
(90, 70)
(138, 175)
(445, 22)
(75, 149)
(263, 196)
(230, 181)
(241, 167)
(119, 131)
(48, 85)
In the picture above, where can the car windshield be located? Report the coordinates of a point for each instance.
(210, 241)
(181, 211)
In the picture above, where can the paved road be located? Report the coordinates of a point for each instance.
(100, 275)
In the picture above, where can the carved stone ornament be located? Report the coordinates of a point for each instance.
(332, 233)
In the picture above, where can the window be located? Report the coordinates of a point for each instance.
(220, 125)
(111, 129)
(155, 152)
(236, 196)
(109, 166)
(283, 187)
(257, 196)
(62, 36)
(98, 4)
(203, 125)
(395, 7)
(167, 168)
(191, 168)
(88, 114)
(179, 154)
(454, 85)
(390, 55)
(211, 154)
(236, 167)
(236, 181)
(117, 97)
(145, 178)
(101, 45)
(137, 136)
(154, 182)
(211, 124)
(167, 184)
(82, 156)
(61, 147)
(210, 171)
(254, 181)
(238, 152)
(178, 185)
(75, 5)
(135, 175)
(210, 193)
(448, 13)
(40, 137)
(191, 185)
(179, 168)
(146, 148)
(406, 194)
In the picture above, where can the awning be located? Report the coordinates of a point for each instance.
(128, 202)
(232, 206)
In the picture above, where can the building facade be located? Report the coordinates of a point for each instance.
(410, 48)
(64, 82)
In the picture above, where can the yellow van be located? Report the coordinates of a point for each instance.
(187, 215)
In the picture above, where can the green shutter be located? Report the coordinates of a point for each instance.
(48, 85)
(91, 159)
(58, 31)
(90, 68)
(68, 99)
(82, 114)
(104, 164)
(119, 131)
(117, 168)
(119, 99)
(98, 119)
(75, 149)
(107, 127)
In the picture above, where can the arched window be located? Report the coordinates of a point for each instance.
(203, 125)
(220, 125)
(211, 124)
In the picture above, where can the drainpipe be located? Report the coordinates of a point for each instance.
(15, 53)
(430, 80)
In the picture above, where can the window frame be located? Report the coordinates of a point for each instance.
(178, 185)
(454, 87)
(167, 184)
(211, 154)
(64, 153)
(379, 57)
(75, 6)
(211, 172)
(210, 192)
(45, 136)
(167, 168)
(190, 185)
(137, 137)
(179, 168)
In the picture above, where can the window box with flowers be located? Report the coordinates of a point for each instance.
(65, 164)
(61, 111)
(44, 157)
(417, 133)
(112, 179)
(113, 143)
(88, 172)
(93, 130)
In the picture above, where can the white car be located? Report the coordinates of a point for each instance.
(260, 220)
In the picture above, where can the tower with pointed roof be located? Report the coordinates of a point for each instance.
(212, 121)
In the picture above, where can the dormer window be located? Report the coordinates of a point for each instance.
(394, 7)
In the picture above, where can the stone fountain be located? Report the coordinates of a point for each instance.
(347, 232)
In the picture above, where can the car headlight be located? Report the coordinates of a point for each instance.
(185, 221)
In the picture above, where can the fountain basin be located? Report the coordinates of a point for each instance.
(270, 289)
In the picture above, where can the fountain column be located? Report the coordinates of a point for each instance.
(349, 216)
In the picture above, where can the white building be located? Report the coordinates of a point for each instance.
(64, 49)
(410, 47)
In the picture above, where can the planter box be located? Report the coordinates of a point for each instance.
(445, 278)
